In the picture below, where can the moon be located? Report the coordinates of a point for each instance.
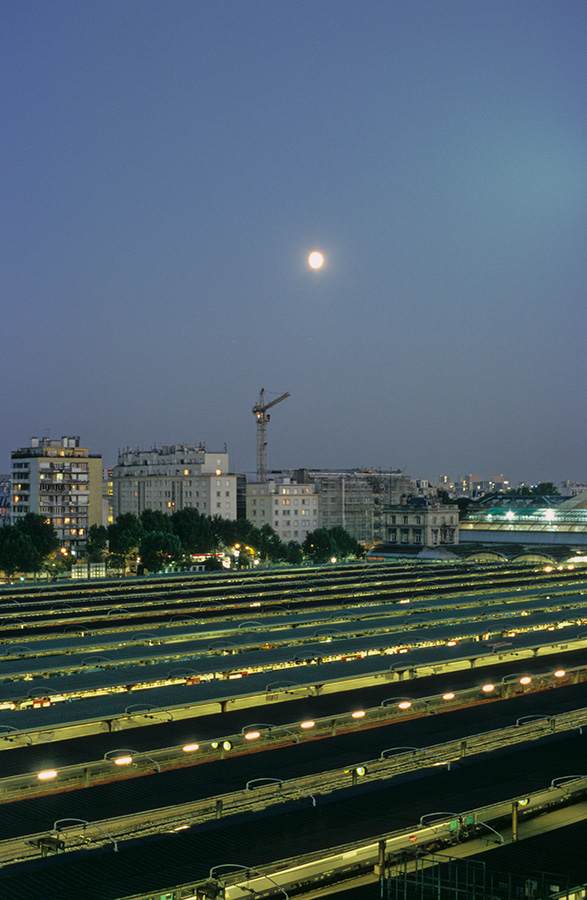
(316, 259)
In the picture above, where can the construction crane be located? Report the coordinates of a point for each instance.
(262, 416)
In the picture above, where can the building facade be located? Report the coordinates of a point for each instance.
(347, 500)
(60, 481)
(172, 478)
(290, 508)
(5, 499)
(422, 524)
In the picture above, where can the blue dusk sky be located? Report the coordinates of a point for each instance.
(166, 168)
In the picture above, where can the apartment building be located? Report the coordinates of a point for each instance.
(290, 508)
(61, 481)
(172, 478)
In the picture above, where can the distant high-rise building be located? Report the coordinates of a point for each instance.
(60, 481)
(172, 478)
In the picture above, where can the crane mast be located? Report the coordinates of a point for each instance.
(262, 416)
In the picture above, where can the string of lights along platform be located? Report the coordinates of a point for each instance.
(202, 709)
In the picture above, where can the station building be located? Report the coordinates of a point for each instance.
(542, 527)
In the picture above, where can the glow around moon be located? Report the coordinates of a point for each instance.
(316, 259)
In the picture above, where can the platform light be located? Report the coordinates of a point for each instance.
(358, 714)
(449, 696)
(309, 723)
(122, 760)
(487, 688)
(525, 679)
(405, 704)
(190, 748)
(560, 673)
(251, 735)
(47, 775)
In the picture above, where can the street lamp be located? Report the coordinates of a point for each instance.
(13, 732)
(126, 757)
(534, 717)
(252, 733)
(183, 673)
(281, 781)
(97, 660)
(84, 822)
(145, 711)
(282, 686)
(500, 836)
(402, 703)
(437, 815)
(563, 778)
(394, 749)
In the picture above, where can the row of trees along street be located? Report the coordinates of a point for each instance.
(160, 541)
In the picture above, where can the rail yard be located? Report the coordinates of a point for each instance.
(287, 732)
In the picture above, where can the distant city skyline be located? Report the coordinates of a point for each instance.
(437, 481)
(168, 169)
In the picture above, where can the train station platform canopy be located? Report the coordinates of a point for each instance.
(562, 525)
(479, 551)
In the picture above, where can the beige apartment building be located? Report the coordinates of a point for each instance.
(172, 478)
(290, 508)
(61, 481)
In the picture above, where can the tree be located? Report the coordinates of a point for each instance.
(42, 534)
(295, 554)
(346, 543)
(18, 552)
(159, 549)
(194, 530)
(156, 520)
(320, 545)
(125, 534)
(124, 537)
(97, 542)
(323, 544)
